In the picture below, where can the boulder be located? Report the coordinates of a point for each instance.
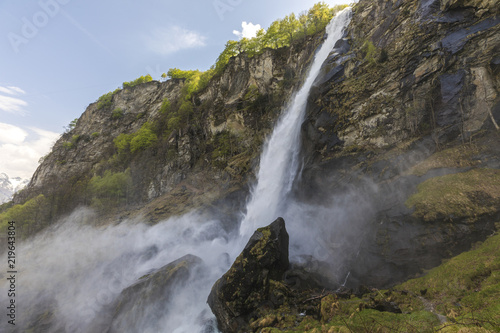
(248, 284)
(147, 297)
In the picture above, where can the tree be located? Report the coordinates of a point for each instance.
(71, 125)
(230, 50)
(289, 26)
(319, 15)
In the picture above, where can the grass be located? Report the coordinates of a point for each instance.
(464, 291)
(457, 157)
(461, 195)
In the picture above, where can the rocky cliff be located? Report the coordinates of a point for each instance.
(207, 159)
(403, 103)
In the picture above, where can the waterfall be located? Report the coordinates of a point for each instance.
(279, 162)
(72, 273)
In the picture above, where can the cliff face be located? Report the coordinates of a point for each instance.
(411, 95)
(197, 164)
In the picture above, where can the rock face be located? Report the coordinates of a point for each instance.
(137, 305)
(420, 87)
(207, 160)
(248, 285)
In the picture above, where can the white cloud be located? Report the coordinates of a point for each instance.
(12, 104)
(249, 30)
(12, 90)
(22, 148)
(170, 40)
(11, 134)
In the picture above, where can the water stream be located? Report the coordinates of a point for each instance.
(279, 162)
(71, 274)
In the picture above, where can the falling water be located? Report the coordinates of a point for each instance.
(71, 274)
(279, 162)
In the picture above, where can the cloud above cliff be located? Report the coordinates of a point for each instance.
(167, 41)
(249, 30)
(10, 100)
(21, 149)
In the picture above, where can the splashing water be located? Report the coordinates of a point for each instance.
(71, 274)
(279, 162)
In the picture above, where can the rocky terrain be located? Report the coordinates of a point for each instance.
(9, 186)
(400, 148)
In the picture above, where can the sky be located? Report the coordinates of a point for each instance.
(58, 56)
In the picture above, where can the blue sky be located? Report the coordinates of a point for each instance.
(58, 56)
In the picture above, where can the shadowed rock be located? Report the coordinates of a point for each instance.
(247, 285)
(147, 298)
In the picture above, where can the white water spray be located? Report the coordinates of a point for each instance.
(279, 162)
(70, 275)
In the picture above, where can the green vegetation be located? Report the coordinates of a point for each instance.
(72, 143)
(28, 216)
(225, 146)
(280, 33)
(122, 142)
(466, 289)
(117, 113)
(165, 106)
(95, 134)
(105, 101)
(461, 295)
(370, 52)
(111, 189)
(462, 195)
(140, 80)
(140, 140)
(71, 125)
(143, 138)
(456, 157)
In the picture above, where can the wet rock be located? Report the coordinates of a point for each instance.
(145, 301)
(248, 285)
(384, 306)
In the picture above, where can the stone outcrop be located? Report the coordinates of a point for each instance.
(137, 305)
(250, 284)
(410, 98)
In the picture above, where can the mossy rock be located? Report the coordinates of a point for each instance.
(465, 195)
(252, 284)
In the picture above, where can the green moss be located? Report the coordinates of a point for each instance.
(462, 195)
(258, 249)
(466, 288)
(252, 93)
(456, 157)
(370, 52)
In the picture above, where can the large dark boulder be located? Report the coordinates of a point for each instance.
(248, 284)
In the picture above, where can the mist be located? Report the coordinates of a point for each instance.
(72, 275)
